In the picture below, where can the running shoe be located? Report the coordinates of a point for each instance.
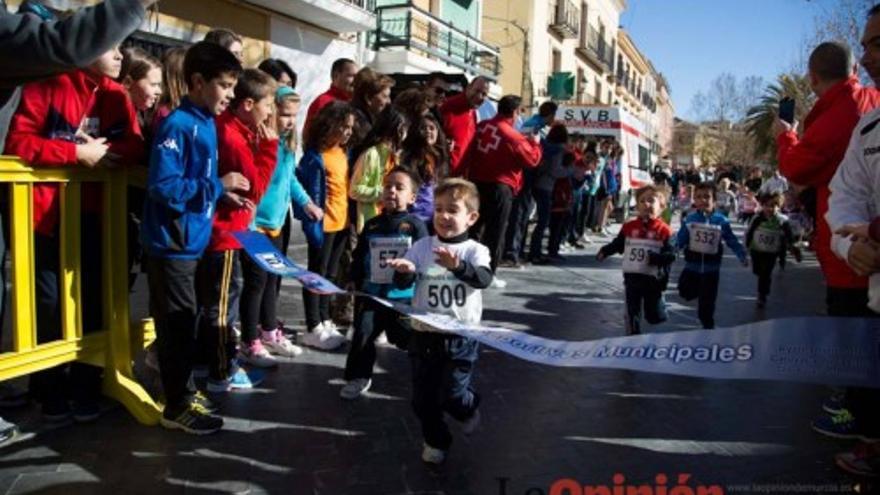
(432, 455)
(255, 354)
(191, 419)
(278, 344)
(863, 461)
(842, 425)
(355, 388)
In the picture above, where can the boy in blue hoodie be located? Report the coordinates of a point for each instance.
(182, 191)
(700, 236)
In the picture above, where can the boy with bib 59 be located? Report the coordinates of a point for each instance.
(647, 253)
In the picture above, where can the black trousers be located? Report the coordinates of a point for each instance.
(517, 228)
(218, 290)
(762, 266)
(558, 222)
(370, 320)
(703, 287)
(324, 261)
(258, 297)
(496, 201)
(173, 307)
(443, 368)
(643, 301)
(78, 381)
(863, 403)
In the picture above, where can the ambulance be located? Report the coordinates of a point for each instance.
(603, 121)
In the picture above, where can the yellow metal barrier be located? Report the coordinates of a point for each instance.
(110, 348)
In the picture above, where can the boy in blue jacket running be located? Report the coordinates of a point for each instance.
(700, 236)
(182, 191)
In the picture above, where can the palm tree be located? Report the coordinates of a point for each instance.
(759, 119)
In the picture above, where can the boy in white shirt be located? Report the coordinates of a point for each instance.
(449, 270)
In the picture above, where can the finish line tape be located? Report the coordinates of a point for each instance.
(832, 351)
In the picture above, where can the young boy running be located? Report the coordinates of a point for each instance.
(450, 270)
(769, 237)
(385, 237)
(647, 253)
(700, 236)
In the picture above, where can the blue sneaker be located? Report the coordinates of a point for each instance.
(242, 379)
(842, 425)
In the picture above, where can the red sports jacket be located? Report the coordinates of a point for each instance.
(324, 99)
(499, 154)
(460, 126)
(43, 133)
(240, 151)
(813, 160)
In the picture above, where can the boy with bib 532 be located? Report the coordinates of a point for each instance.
(700, 236)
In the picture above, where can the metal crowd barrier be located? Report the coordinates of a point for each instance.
(111, 348)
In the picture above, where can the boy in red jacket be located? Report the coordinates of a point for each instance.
(84, 118)
(248, 144)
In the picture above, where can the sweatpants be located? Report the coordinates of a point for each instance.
(643, 301)
(703, 287)
(762, 266)
(218, 282)
(370, 320)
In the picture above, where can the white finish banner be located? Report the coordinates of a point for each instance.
(832, 351)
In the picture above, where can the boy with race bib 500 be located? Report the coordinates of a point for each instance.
(769, 237)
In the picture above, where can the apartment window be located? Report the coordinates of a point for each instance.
(557, 60)
(598, 91)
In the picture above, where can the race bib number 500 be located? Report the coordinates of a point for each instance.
(704, 238)
(767, 240)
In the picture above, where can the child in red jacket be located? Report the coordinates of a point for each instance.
(248, 144)
(80, 118)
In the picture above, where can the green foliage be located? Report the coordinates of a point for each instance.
(760, 118)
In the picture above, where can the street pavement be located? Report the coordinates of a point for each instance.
(294, 435)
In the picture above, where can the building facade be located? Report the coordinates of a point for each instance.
(538, 38)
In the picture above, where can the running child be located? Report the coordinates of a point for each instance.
(769, 237)
(449, 270)
(384, 237)
(646, 245)
(700, 236)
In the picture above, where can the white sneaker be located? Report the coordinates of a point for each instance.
(323, 339)
(276, 343)
(469, 426)
(382, 339)
(497, 283)
(432, 455)
(331, 327)
(355, 388)
(586, 239)
(256, 355)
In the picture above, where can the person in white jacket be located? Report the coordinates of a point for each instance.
(854, 203)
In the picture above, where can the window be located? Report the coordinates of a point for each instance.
(557, 60)
(598, 91)
(581, 85)
(584, 24)
(644, 158)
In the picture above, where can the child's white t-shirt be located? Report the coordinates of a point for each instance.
(437, 289)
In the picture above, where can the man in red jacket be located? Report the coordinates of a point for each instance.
(459, 115)
(494, 162)
(342, 74)
(812, 160)
(247, 144)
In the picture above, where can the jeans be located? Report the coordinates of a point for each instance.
(443, 368)
(518, 224)
(543, 201)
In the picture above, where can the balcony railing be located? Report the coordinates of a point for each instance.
(369, 5)
(565, 19)
(409, 27)
(596, 49)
